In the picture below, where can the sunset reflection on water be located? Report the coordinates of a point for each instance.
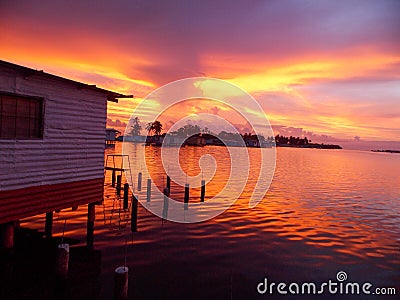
(326, 210)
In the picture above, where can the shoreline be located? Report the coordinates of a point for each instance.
(386, 151)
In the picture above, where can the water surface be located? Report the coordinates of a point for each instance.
(326, 211)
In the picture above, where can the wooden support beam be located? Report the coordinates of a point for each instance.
(48, 228)
(90, 225)
(7, 235)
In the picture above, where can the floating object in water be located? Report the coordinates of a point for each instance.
(121, 283)
(62, 261)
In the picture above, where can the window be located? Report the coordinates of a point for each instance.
(21, 117)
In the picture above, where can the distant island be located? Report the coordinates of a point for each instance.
(297, 142)
(194, 135)
(387, 151)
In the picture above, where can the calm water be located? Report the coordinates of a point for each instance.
(326, 211)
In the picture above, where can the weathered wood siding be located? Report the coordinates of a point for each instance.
(72, 147)
(21, 203)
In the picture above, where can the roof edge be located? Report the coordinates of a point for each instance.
(111, 96)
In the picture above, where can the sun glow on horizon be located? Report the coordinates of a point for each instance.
(339, 78)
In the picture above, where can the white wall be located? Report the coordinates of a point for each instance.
(72, 148)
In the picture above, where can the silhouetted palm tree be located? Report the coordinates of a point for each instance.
(155, 127)
(136, 127)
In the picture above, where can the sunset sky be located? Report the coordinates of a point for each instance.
(327, 67)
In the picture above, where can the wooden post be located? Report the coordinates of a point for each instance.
(186, 199)
(48, 227)
(7, 235)
(121, 283)
(134, 213)
(113, 178)
(90, 225)
(166, 204)
(62, 261)
(126, 195)
(203, 190)
(119, 179)
(148, 190)
(169, 183)
(139, 182)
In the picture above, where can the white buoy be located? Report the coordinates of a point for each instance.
(62, 260)
(121, 283)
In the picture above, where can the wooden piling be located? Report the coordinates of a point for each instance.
(126, 195)
(119, 179)
(166, 204)
(134, 213)
(203, 190)
(113, 178)
(169, 183)
(186, 199)
(62, 261)
(90, 225)
(7, 235)
(148, 190)
(48, 227)
(121, 283)
(139, 182)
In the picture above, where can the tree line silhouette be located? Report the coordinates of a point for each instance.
(293, 141)
(188, 130)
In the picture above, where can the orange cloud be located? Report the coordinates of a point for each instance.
(333, 69)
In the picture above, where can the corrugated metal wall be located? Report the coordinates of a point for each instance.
(72, 148)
